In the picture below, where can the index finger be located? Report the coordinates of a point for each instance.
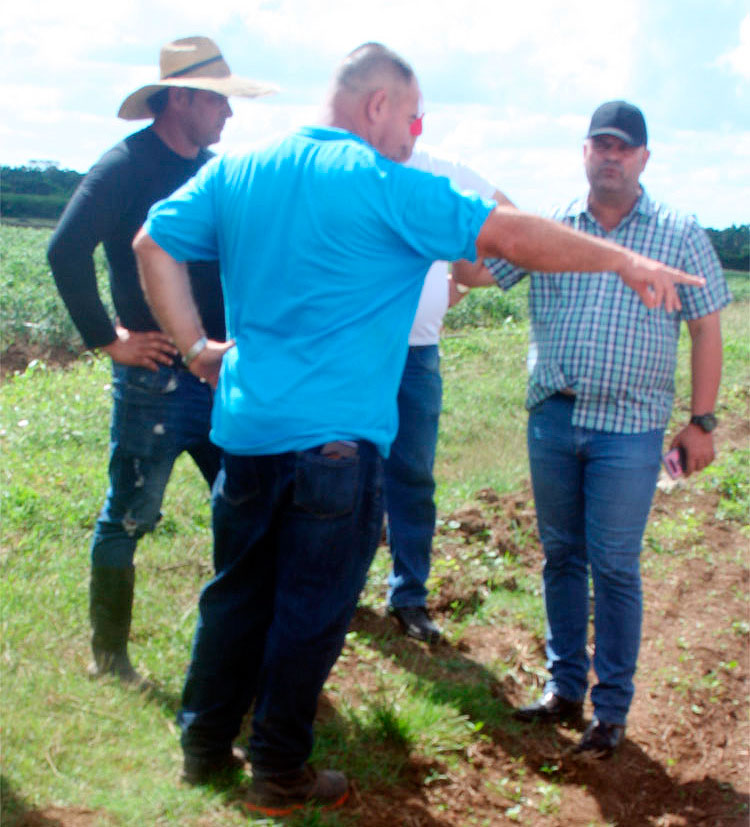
(680, 277)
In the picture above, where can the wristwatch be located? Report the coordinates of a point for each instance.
(197, 347)
(706, 422)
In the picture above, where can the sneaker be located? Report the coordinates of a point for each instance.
(415, 622)
(600, 739)
(220, 769)
(550, 709)
(281, 795)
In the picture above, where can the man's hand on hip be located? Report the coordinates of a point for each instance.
(141, 349)
(207, 364)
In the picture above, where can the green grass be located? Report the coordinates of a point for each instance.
(739, 284)
(71, 742)
(482, 428)
(31, 310)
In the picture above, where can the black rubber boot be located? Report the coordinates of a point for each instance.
(111, 609)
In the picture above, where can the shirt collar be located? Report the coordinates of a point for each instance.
(330, 133)
(643, 206)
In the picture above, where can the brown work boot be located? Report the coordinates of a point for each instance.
(280, 795)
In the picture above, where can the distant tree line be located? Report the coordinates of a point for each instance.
(41, 190)
(732, 246)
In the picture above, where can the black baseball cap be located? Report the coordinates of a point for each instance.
(621, 119)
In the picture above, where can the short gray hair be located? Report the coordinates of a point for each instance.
(366, 66)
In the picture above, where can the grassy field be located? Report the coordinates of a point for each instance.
(31, 311)
(91, 753)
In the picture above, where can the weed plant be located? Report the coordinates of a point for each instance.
(489, 307)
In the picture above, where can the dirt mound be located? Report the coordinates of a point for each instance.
(685, 758)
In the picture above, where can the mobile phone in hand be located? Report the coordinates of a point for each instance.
(674, 462)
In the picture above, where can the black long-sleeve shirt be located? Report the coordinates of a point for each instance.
(109, 206)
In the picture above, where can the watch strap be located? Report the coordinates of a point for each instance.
(706, 422)
(194, 349)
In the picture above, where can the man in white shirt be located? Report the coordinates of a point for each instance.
(409, 482)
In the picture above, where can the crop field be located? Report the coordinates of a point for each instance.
(425, 735)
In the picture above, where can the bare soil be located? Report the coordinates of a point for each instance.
(686, 758)
(19, 355)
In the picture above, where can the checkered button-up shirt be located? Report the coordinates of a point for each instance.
(591, 334)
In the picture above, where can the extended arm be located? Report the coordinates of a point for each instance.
(166, 285)
(706, 358)
(540, 244)
(471, 273)
(474, 273)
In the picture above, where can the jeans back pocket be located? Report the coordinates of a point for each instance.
(325, 487)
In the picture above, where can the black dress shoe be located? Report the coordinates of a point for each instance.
(600, 739)
(551, 708)
(416, 623)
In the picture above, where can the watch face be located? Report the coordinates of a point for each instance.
(705, 421)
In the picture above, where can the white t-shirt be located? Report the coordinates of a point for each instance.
(433, 301)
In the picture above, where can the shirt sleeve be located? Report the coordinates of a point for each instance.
(701, 260)
(185, 223)
(435, 218)
(88, 218)
(507, 274)
(504, 273)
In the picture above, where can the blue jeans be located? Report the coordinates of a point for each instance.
(593, 492)
(156, 416)
(294, 536)
(409, 483)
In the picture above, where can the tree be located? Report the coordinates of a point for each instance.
(732, 245)
(39, 190)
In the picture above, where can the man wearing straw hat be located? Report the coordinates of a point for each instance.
(160, 409)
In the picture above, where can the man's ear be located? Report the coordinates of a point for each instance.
(178, 97)
(376, 105)
(644, 159)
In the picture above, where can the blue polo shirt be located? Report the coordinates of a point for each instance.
(323, 245)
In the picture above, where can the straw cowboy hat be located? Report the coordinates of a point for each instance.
(194, 63)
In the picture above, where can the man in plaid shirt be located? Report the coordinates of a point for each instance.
(600, 394)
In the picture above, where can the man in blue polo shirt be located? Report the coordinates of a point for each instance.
(324, 240)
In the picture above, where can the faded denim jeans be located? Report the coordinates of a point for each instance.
(409, 482)
(156, 415)
(593, 492)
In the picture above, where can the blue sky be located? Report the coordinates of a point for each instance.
(508, 87)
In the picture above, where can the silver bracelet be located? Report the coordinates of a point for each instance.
(194, 350)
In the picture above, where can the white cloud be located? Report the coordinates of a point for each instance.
(508, 88)
(475, 45)
(738, 60)
(259, 121)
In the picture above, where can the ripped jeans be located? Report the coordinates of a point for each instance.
(155, 417)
